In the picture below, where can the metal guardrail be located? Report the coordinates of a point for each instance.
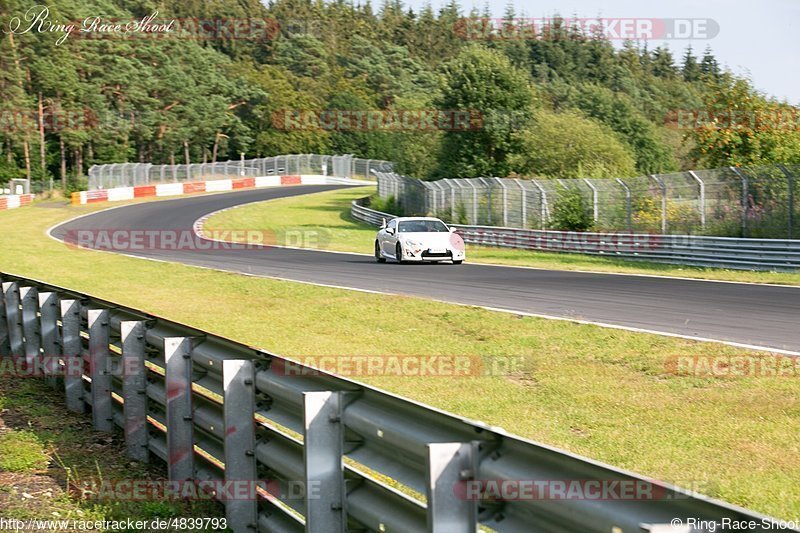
(218, 411)
(722, 252)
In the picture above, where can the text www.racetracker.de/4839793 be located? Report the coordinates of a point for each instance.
(156, 524)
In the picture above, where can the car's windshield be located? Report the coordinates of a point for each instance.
(421, 226)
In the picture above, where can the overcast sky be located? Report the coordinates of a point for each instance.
(756, 38)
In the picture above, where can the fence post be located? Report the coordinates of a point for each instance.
(524, 198)
(29, 296)
(505, 201)
(452, 201)
(238, 380)
(134, 389)
(628, 207)
(13, 319)
(102, 411)
(489, 206)
(745, 198)
(474, 203)
(544, 208)
(322, 454)
(790, 184)
(595, 210)
(663, 188)
(48, 325)
(450, 464)
(702, 198)
(71, 346)
(180, 420)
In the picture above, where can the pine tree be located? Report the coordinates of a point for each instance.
(709, 66)
(691, 70)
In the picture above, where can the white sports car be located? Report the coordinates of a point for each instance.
(418, 239)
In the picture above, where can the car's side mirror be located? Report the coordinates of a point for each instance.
(390, 231)
(453, 230)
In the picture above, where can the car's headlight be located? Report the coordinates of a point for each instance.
(413, 244)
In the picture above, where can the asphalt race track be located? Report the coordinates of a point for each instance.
(749, 314)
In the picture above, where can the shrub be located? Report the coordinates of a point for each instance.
(571, 211)
(386, 205)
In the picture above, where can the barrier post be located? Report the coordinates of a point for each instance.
(134, 389)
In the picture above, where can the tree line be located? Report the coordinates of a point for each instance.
(233, 77)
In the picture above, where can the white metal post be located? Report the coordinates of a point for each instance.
(595, 212)
(474, 202)
(663, 188)
(627, 203)
(505, 201)
(544, 207)
(524, 203)
(702, 198)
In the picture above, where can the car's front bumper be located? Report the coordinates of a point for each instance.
(426, 255)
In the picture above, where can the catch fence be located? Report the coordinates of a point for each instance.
(757, 202)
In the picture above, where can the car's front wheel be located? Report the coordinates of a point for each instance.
(458, 261)
(398, 253)
(378, 257)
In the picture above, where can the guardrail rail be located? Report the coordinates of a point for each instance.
(214, 409)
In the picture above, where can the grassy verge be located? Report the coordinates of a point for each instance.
(326, 215)
(49, 457)
(603, 393)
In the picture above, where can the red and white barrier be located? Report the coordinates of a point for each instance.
(175, 189)
(14, 201)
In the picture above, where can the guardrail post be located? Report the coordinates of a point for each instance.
(29, 296)
(5, 344)
(238, 379)
(71, 349)
(322, 453)
(99, 371)
(449, 510)
(180, 420)
(51, 347)
(134, 389)
(13, 319)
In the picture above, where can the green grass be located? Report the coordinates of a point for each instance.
(48, 454)
(21, 451)
(599, 392)
(325, 219)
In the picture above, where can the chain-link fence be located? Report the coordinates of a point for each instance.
(133, 174)
(757, 202)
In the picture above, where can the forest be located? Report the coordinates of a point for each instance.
(204, 80)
